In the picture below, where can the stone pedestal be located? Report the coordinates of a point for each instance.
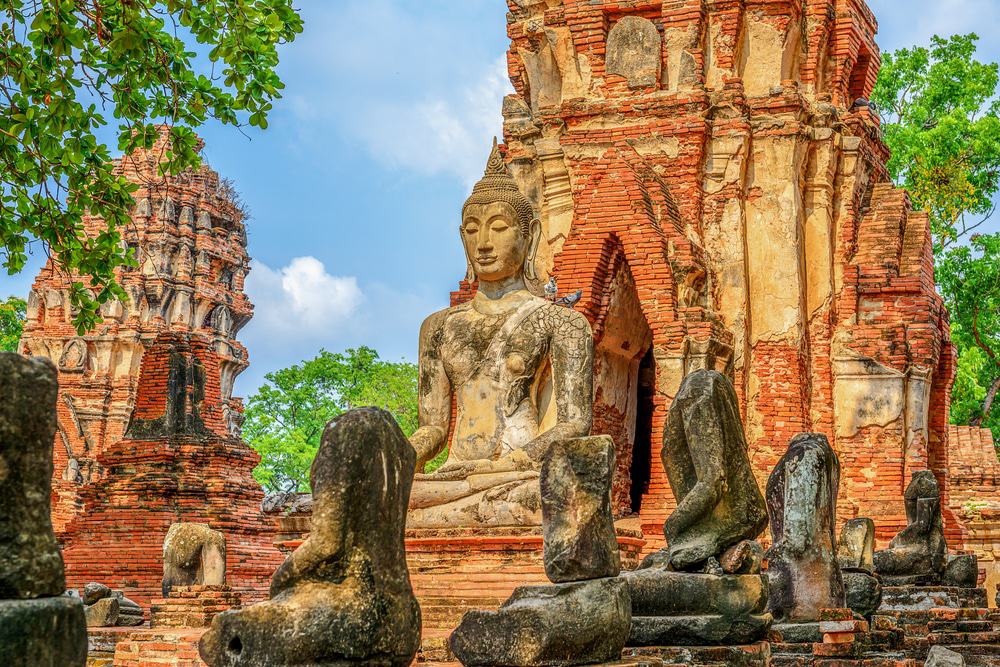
(454, 571)
(955, 618)
(193, 606)
(47, 632)
(750, 655)
(688, 609)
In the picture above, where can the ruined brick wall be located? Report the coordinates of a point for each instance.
(974, 478)
(705, 177)
(148, 427)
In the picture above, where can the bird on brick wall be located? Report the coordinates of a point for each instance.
(570, 300)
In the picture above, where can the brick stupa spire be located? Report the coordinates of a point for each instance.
(148, 427)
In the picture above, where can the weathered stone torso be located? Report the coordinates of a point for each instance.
(498, 365)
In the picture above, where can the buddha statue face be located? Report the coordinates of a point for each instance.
(499, 229)
(495, 244)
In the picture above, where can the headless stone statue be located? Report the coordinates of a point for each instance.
(520, 369)
(39, 626)
(705, 588)
(193, 555)
(918, 554)
(584, 617)
(344, 596)
(803, 575)
(705, 457)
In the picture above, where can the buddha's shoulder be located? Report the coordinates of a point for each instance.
(561, 317)
(438, 319)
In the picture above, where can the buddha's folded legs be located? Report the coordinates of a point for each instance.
(499, 499)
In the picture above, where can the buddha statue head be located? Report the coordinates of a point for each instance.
(499, 229)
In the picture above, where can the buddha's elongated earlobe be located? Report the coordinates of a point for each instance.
(470, 272)
(534, 238)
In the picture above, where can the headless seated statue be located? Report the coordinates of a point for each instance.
(520, 369)
(919, 551)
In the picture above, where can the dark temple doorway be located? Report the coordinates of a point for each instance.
(642, 451)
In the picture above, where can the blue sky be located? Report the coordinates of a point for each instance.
(355, 188)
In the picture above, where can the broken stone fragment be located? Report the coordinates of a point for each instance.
(803, 575)
(93, 592)
(344, 596)
(689, 609)
(705, 458)
(193, 555)
(30, 563)
(856, 547)
(103, 613)
(658, 592)
(129, 612)
(939, 656)
(578, 526)
(961, 571)
(566, 624)
(863, 592)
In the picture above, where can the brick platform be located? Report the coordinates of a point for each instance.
(192, 606)
(956, 618)
(159, 648)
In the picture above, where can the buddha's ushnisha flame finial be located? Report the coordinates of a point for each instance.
(498, 185)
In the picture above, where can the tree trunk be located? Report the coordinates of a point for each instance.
(987, 404)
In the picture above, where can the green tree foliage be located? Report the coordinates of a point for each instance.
(286, 417)
(969, 277)
(70, 66)
(941, 119)
(12, 312)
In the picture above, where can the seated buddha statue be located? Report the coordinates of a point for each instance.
(518, 367)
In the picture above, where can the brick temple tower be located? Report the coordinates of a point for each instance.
(710, 176)
(148, 427)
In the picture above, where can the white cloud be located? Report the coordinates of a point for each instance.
(401, 83)
(301, 299)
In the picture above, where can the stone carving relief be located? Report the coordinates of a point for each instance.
(73, 357)
(633, 51)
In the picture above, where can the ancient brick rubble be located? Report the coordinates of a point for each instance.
(709, 175)
(148, 427)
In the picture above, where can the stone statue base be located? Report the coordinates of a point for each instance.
(193, 606)
(457, 570)
(545, 625)
(46, 632)
(751, 655)
(689, 609)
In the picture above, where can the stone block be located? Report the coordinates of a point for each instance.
(856, 547)
(961, 571)
(103, 613)
(565, 624)
(658, 592)
(579, 530)
(939, 656)
(863, 592)
(47, 632)
(702, 630)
